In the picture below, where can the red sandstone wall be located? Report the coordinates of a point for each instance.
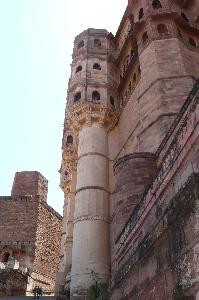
(30, 183)
(18, 223)
(157, 253)
(48, 243)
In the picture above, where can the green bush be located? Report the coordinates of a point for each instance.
(97, 287)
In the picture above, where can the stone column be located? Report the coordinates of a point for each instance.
(68, 184)
(91, 228)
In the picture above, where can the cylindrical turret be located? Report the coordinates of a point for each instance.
(134, 173)
(92, 106)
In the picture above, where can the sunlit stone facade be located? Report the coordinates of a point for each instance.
(130, 156)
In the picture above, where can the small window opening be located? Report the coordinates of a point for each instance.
(139, 70)
(77, 96)
(66, 173)
(184, 17)
(69, 139)
(112, 101)
(156, 4)
(6, 257)
(130, 86)
(134, 77)
(192, 42)
(96, 95)
(162, 29)
(79, 68)
(145, 37)
(97, 43)
(80, 45)
(96, 66)
(141, 14)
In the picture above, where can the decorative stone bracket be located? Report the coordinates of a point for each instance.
(88, 113)
(69, 164)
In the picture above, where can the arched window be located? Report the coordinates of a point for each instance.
(112, 101)
(162, 29)
(77, 96)
(6, 257)
(156, 4)
(134, 77)
(79, 68)
(95, 96)
(69, 139)
(96, 66)
(80, 45)
(66, 173)
(192, 42)
(97, 43)
(141, 13)
(184, 17)
(145, 37)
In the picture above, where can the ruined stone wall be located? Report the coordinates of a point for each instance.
(30, 183)
(30, 233)
(48, 242)
(13, 283)
(18, 226)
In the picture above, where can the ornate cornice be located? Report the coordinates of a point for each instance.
(87, 113)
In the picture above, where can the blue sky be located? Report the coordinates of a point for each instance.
(35, 55)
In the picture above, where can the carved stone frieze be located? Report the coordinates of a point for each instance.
(91, 218)
(88, 113)
(69, 164)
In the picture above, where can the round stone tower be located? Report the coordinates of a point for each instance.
(91, 113)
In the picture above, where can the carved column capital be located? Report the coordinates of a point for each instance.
(88, 113)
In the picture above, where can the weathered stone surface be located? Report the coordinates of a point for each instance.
(13, 283)
(30, 236)
(147, 102)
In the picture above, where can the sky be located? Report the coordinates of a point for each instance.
(35, 56)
